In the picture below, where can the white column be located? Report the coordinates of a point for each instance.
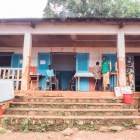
(121, 59)
(26, 61)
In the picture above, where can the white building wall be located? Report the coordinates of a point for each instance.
(95, 52)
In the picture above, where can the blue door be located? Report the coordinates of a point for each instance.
(43, 63)
(111, 58)
(82, 66)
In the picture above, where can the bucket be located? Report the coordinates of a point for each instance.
(127, 98)
(1, 112)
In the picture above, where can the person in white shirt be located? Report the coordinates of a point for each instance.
(52, 77)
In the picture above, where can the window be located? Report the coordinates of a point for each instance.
(5, 61)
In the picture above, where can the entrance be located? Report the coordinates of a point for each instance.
(64, 64)
(136, 80)
(137, 72)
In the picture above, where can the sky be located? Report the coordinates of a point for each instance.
(22, 8)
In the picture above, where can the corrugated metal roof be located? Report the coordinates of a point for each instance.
(68, 19)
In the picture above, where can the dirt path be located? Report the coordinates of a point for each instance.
(82, 135)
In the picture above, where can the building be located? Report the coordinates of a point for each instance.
(31, 44)
(28, 46)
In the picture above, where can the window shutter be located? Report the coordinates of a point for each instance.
(113, 60)
(45, 58)
(107, 57)
(82, 62)
(41, 68)
(15, 61)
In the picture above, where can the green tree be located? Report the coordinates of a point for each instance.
(92, 8)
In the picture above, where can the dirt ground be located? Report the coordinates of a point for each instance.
(77, 135)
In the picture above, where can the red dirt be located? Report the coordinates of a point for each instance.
(83, 135)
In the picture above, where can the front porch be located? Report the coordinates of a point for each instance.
(64, 93)
(66, 53)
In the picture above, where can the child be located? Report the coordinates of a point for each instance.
(97, 70)
(72, 82)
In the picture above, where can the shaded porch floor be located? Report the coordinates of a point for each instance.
(68, 93)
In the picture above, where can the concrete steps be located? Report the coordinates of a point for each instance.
(36, 113)
(49, 123)
(71, 112)
(68, 99)
(68, 105)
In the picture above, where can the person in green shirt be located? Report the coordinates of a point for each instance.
(106, 74)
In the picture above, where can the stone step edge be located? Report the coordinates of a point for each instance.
(40, 109)
(66, 103)
(70, 117)
(70, 97)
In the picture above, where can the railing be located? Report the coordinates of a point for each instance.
(12, 73)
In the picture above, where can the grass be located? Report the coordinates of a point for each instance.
(26, 131)
(21, 106)
(113, 129)
(133, 122)
(121, 101)
(2, 131)
(125, 124)
(120, 114)
(100, 114)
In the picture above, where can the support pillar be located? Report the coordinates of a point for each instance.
(26, 61)
(121, 59)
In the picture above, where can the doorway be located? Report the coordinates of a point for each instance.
(137, 72)
(64, 64)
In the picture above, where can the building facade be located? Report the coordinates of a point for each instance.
(73, 44)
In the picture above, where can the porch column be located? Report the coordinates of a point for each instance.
(121, 59)
(26, 61)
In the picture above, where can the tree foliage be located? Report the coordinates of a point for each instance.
(92, 8)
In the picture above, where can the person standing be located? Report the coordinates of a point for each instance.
(97, 70)
(130, 72)
(106, 74)
(52, 77)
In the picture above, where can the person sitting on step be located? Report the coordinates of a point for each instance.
(51, 77)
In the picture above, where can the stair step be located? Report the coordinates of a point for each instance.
(68, 105)
(43, 113)
(136, 94)
(71, 112)
(69, 99)
(47, 123)
(64, 93)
